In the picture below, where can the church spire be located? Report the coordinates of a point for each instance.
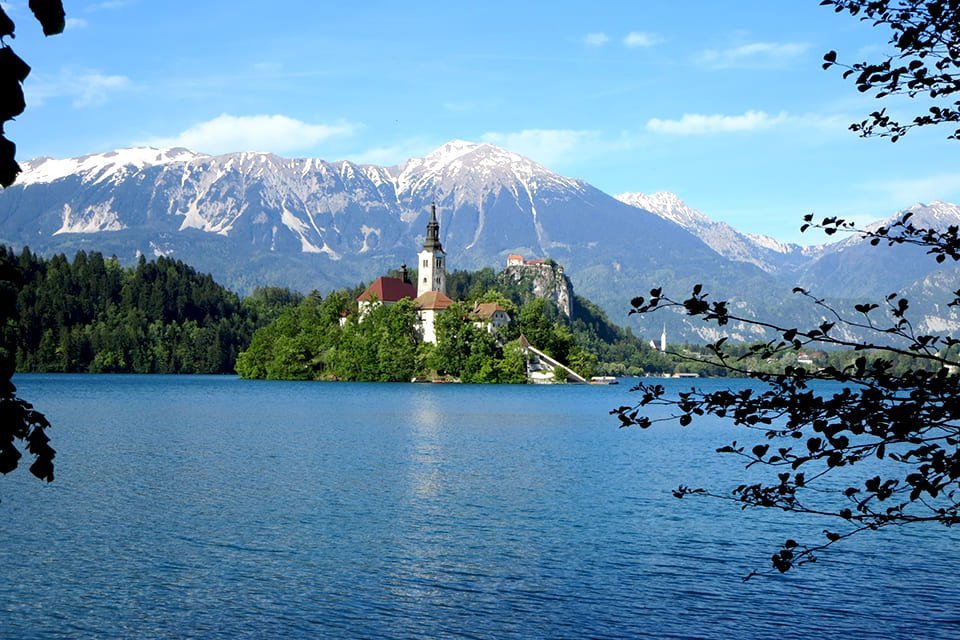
(432, 274)
(432, 241)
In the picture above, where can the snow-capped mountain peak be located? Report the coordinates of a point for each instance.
(935, 214)
(467, 171)
(767, 253)
(670, 206)
(98, 167)
(450, 152)
(457, 156)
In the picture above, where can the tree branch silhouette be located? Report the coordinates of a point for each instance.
(815, 424)
(19, 421)
(925, 62)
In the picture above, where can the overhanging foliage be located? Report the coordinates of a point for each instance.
(906, 419)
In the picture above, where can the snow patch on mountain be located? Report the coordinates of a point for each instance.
(211, 216)
(91, 219)
(301, 229)
(367, 232)
(769, 243)
(159, 251)
(193, 220)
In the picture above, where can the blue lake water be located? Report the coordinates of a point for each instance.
(214, 507)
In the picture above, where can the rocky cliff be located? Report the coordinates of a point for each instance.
(544, 279)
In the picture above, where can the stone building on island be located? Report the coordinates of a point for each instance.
(432, 265)
(431, 280)
(429, 294)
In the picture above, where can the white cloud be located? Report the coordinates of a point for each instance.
(87, 88)
(754, 54)
(641, 39)
(905, 192)
(698, 124)
(596, 39)
(546, 146)
(275, 133)
(395, 154)
(109, 5)
(823, 127)
(75, 23)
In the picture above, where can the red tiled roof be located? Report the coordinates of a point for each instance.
(514, 256)
(433, 300)
(388, 290)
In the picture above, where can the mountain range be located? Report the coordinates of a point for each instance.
(258, 219)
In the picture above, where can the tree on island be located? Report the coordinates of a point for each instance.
(818, 423)
(470, 353)
(19, 421)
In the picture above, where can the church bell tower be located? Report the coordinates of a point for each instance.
(432, 266)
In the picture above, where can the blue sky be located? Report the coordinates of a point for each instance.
(723, 103)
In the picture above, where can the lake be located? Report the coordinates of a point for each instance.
(195, 506)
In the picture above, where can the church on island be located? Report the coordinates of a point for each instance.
(430, 299)
(430, 292)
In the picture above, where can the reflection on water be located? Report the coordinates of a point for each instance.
(213, 507)
(426, 450)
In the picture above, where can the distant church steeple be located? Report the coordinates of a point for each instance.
(433, 260)
(433, 231)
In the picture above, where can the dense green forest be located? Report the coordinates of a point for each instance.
(161, 316)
